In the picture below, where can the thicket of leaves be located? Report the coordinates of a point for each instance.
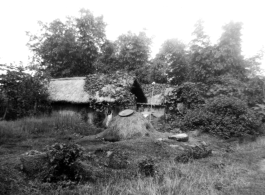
(251, 91)
(69, 48)
(190, 94)
(223, 116)
(61, 163)
(22, 94)
(115, 86)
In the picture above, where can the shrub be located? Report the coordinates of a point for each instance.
(254, 91)
(61, 160)
(190, 94)
(22, 94)
(196, 119)
(224, 105)
(223, 116)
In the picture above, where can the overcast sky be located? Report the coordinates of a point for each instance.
(161, 20)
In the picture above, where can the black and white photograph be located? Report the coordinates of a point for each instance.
(132, 97)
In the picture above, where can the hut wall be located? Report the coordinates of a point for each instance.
(78, 109)
(74, 109)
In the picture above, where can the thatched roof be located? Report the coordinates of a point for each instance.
(73, 89)
(159, 93)
(68, 90)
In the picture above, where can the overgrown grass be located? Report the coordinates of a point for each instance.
(48, 126)
(182, 179)
(227, 173)
(235, 172)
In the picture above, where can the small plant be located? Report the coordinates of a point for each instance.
(61, 160)
(147, 167)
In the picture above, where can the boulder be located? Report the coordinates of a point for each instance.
(182, 137)
(32, 164)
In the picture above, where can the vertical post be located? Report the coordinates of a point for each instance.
(151, 100)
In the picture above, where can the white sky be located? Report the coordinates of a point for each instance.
(161, 20)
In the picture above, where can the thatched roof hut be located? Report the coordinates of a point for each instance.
(97, 87)
(95, 96)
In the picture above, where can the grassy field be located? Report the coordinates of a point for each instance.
(232, 169)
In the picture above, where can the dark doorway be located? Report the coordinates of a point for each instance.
(138, 92)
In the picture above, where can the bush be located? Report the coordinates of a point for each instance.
(190, 94)
(224, 105)
(197, 119)
(223, 116)
(22, 94)
(61, 162)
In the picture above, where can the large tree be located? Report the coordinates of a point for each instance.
(228, 57)
(200, 40)
(224, 58)
(200, 55)
(69, 48)
(107, 61)
(172, 61)
(133, 51)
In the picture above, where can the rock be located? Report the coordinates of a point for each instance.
(109, 153)
(176, 146)
(33, 153)
(33, 164)
(183, 137)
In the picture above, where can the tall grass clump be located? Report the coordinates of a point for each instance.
(54, 125)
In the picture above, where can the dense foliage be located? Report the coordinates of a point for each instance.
(22, 94)
(172, 61)
(223, 116)
(115, 88)
(190, 94)
(61, 160)
(133, 51)
(69, 48)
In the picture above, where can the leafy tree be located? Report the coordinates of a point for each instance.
(201, 55)
(69, 48)
(253, 65)
(208, 62)
(201, 40)
(133, 51)
(144, 73)
(228, 57)
(158, 72)
(107, 61)
(22, 94)
(173, 55)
